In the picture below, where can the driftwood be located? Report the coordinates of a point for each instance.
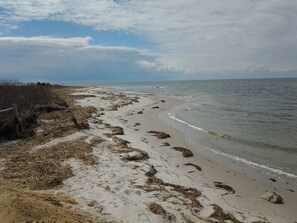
(6, 110)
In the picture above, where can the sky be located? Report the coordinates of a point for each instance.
(74, 41)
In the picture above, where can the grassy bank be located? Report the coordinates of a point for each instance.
(26, 97)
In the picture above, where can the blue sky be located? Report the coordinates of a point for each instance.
(103, 40)
(68, 30)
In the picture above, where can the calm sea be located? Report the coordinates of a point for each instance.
(252, 121)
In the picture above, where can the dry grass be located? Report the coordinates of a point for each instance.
(188, 195)
(120, 100)
(55, 124)
(43, 169)
(96, 141)
(26, 97)
(20, 205)
(121, 143)
(35, 173)
(185, 152)
(78, 149)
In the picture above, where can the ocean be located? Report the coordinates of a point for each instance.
(253, 121)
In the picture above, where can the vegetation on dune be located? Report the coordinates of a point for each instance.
(25, 98)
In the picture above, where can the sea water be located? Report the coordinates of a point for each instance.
(252, 121)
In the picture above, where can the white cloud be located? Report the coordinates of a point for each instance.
(71, 60)
(44, 40)
(194, 36)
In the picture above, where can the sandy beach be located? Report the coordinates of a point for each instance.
(138, 169)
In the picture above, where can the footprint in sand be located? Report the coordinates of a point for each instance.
(117, 188)
(127, 192)
(137, 192)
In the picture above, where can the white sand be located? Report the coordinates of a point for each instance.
(111, 188)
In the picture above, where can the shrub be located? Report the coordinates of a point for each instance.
(26, 97)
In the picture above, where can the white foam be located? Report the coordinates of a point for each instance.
(173, 116)
(255, 165)
(237, 158)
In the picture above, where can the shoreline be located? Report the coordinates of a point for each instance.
(248, 191)
(239, 175)
(218, 155)
(187, 129)
(141, 169)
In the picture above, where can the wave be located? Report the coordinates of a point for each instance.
(173, 116)
(255, 165)
(236, 158)
(235, 139)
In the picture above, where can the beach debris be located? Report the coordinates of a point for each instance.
(165, 144)
(96, 140)
(44, 168)
(156, 208)
(37, 175)
(117, 130)
(194, 165)
(82, 96)
(221, 216)
(272, 197)
(151, 172)
(135, 156)
(272, 179)
(185, 152)
(224, 186)
(113, 108)
(159, 210)
(98, 121)
(123, 120)
(190, 194)
(159, 135)
(121, 142)
(83, 125)
(155, 107)
(91, 203)
(187, 218)
(290, 190)
(136, 124)
(140, 112)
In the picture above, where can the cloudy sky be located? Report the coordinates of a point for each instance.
(121, 40)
